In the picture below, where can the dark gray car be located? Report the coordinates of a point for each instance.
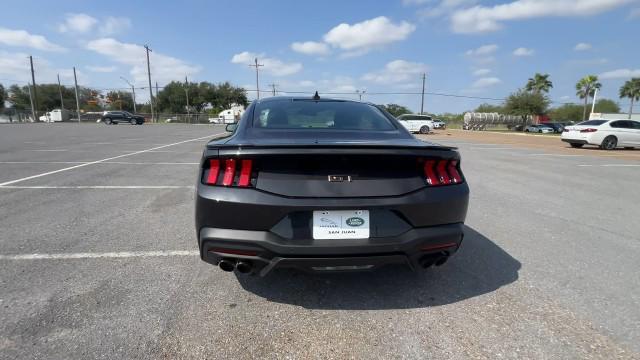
(116, 117)
(327, 185)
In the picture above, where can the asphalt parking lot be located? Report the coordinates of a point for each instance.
(98, 258)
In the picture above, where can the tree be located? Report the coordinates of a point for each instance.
(525, 104)
(3, 96)
(566, 112)
(607, 106)
(173, 97)
(120, 100)
(395, 109)
(540, 83)
(488, 108)
(586, 88)
(631, 90)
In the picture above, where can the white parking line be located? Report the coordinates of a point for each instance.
(51, 150)
(104, 160)
(124, 254)
(100, 187)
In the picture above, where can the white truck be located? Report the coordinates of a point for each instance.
(417, 123)
(56, 115)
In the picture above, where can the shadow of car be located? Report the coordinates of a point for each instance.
(479, 267)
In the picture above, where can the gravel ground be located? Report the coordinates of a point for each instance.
(548, 268)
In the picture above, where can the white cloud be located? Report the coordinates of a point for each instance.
(522, 51)
(164, 68)
(397, 71)
(273, 66)
(480, 19)
(114, 25)
(364, 36)
(485, 82)
(77, 23)
(22, 38)
(311, 48)
(481, 72)
(482, 50)
(620, 74)
(15, 66)
(582, 47)
(445, 7)
(634, 14)
(101, 69)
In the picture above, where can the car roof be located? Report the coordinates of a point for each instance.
(307, 98)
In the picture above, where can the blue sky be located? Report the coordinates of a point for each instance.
(467, 47)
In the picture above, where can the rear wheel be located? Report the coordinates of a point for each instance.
(609, 143)
(424, 129)
(575, 145)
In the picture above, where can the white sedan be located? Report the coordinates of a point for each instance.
(607, 134)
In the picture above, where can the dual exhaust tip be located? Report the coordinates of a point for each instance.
(434, 259)
(242, 266)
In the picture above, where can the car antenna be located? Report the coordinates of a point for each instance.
(316, 96)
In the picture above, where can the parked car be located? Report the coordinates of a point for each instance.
(557, 127)
(416, 123)
(439, 124)
(116, 117)
(326, 185)
(540, 128)
(607, 134)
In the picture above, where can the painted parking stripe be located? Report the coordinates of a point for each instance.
(108, 255)
(105, 187)
(104, 160)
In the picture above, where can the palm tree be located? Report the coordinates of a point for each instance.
(586, 88)
(631, 90)
(539, 83)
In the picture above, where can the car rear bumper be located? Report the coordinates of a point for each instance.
(271, 231)
(265, 251)
(575, 141)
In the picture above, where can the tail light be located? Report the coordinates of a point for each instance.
(442, 172)
(589, 130)
(565, 130)
(228, 172)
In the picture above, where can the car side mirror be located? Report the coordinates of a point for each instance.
(231, 127)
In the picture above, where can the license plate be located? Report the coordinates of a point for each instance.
(341, 224)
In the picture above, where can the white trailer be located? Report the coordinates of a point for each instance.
(56, 115)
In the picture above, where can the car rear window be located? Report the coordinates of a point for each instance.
(593, 122)
(310, 114)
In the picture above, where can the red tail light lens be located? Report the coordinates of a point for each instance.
(234, 172)
(589, 130)
(442, 172)
(229, 172)
(214, 170)
(245, 173)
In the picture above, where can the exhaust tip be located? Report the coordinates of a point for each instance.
(244, 267)
(227, 265)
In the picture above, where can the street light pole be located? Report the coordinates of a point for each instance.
(133, 91)
(186, 92)
(424, 78)
(35, 92)
(150, 88)
(60, 91)
(75, 81)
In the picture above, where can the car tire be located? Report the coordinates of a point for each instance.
(575, 145)
(424, 129)
(107, 121)
(526, 130)
(609, 143)
(133, 121)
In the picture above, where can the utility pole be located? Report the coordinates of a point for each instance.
(186, 92)
(60, 91)
(256, 65)
(150, 88)
(35, 93)
(273, 86)
(133, 91)
(75, 81)
(360, 93)
(33, 109)
(424, 78)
